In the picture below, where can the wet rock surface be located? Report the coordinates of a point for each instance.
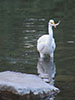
(18, 85)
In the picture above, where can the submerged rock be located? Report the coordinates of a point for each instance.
(24, 84)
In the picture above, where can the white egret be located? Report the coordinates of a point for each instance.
(46, 43)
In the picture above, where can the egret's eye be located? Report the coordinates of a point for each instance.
(52, 23)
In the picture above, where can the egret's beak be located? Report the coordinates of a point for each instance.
(57, 23)
(54, 25)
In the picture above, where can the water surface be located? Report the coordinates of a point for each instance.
(22, 23)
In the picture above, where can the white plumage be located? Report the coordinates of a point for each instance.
(46, 43)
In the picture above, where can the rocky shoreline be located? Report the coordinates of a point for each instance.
(16, 84)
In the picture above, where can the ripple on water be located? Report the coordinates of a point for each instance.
(35, 19)
(16, 60)
(29, 31)
(42, 19)
(25, 37)
(28, 45)
(70, 42)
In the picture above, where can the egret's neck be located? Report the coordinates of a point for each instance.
(50, 30)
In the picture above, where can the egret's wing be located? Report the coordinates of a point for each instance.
(40, 46)
(43, 39)
(41, 43)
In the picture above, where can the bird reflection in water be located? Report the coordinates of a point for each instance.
(46, 69)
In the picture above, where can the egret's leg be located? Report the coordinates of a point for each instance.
(52, 55)
(42, 55)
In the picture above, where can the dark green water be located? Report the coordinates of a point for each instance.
(22, 22)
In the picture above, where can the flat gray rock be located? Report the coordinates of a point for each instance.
(22, 84)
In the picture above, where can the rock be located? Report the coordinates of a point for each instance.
(20, 84)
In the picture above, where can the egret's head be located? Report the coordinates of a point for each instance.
(51, 22)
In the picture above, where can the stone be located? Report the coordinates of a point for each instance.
(24, 84)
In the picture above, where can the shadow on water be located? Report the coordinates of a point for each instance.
(46, 69)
